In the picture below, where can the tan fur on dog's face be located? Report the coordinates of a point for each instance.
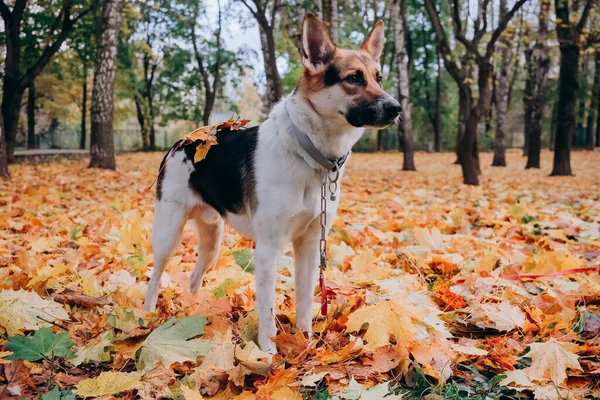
(345, 82)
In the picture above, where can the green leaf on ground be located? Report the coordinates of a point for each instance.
(171, 342)
(44, 344)
(245, 259)
(57, 394)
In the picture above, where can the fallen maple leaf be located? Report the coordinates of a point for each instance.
(107, 383)
(291, 344)
(21, 310)
(550, 360)
(95, 352)
(171, 343)
(504, 315)
(43, 344)
(432, 240)
(206, 136)
(190, 394)
(385, 320)
(355, 391)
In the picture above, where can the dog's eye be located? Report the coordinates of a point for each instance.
(379, 79)
(353, 79)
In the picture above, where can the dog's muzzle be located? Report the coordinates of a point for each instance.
(392, 111)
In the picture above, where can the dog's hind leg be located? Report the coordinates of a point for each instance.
(169, 219)
(209, 224)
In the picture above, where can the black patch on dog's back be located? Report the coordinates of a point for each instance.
(161, 173)
(225, 178)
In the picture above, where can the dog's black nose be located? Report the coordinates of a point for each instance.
(392, 109)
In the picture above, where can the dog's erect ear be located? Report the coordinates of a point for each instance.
(317, 49)
(374, 42)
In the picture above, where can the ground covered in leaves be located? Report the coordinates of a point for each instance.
(437, 290)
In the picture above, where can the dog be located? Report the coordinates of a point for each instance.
(266, 181)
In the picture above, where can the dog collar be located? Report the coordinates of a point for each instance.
(314, 153)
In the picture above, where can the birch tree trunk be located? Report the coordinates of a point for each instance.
(102, 149)
(408, 146)
(502, 84)
(334, 23)
(319, 9)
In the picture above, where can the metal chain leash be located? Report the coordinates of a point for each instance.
(328, 182)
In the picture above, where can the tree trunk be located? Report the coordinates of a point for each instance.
(467, 153)
(31, 139)
(102, 148)
(567, 100)
(380, 139)
(208, 106)
(270, 64)
(83, 109)
(408, 145)
(463, 111)
(12, 91)
(580, 140)
(568, 38)
(15, 81)
(598, 122)
(502, 83)
(3, 158)
(553, 125)
(12, 96)
(437, 126)
(594, 104)
(319, 8)
(334, 23)
(538, 65)
(139, 107)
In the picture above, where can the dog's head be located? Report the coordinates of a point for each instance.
(346, 83)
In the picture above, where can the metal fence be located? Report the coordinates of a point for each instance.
(128, 139)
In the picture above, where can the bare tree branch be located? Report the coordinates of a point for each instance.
(444, 45)
(51, 49)
(481, 27)
(218, 57)
(584, 15)
(198, 56)
(254, 12)
(501, 27)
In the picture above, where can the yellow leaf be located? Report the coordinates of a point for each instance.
(202, 149)
(505, 316)
(432, 240)
(190, 394)
(107, 383)
(551, 360)
(4, 354)
(551, 261)
(21, 310)
(386, 319)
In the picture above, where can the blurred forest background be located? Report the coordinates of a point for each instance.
(472, 76)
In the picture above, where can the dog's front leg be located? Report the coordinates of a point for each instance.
(306, 256)
(267, 253)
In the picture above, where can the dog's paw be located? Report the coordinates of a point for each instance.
(150, 304)
(195, 286)
(268, 347)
